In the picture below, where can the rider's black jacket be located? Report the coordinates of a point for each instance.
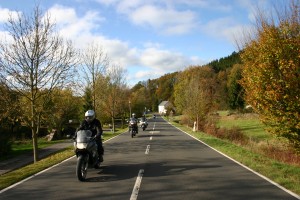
(94, 126)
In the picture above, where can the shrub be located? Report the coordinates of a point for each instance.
(5, 144)
(233, 134)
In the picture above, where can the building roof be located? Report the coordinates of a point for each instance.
(163, 103)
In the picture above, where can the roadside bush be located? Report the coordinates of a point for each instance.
(211, 128)
(5, 144)
(285, 154)
(233, 134)
(185, 120)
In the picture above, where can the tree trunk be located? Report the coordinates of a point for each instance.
(34, 132)
(113, 124)
(35, 146)
(197, 122)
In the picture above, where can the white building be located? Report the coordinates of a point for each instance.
(162, 107)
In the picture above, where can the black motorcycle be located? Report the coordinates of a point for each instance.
(86, 152)
(133, 127)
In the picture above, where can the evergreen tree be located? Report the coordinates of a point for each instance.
(88, 100)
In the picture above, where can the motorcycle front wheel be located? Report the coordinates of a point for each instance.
(81, 168)
(132, 133)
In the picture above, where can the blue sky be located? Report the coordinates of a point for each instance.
(149, 38)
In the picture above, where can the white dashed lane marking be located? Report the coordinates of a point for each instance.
(137, 185)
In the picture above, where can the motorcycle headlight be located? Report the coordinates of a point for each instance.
(81, 145)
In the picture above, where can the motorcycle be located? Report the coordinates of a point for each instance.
(133, 127)
(143, 125)
(86, 152)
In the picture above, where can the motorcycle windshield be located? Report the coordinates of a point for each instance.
(83, 136)
(133, 121)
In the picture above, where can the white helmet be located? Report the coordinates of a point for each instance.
(133, 115)
(89, 115)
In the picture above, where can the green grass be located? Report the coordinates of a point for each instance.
(285, 175)
(253, 128)
(24, 172)
(20, 147)
(17, 175)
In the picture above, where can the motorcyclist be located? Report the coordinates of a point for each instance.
(144, 120)
(134, 119)
(94, 125)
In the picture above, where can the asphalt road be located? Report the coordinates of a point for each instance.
(159, 163)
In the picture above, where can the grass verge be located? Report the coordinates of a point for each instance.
(25, 146)
(15, 176)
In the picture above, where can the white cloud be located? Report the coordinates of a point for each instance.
(70, 24)
(166, 20)
(162, 59)
(158, 15)
(126, 6)
(5, 37)
(108, 2)
(153, 58)
(222, 28)
(140, 75)
(5, 14)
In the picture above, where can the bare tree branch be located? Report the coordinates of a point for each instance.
(95, 63)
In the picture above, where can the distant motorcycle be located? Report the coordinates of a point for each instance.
(86, 152)
(143, 124)
(133, 127)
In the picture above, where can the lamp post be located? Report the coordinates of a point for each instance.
(129, 109)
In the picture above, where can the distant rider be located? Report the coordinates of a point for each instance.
(94, 125)
(143, 120)
(135, 126)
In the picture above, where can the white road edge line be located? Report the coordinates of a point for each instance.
(258, 174)
(137, 185)
(30, 177)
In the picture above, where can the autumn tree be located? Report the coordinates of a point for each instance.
(235, 89)
(35, 61)
(62, 107)
(10, 113)
(139, 100)
(10, 117)
(195, 93)
(153, 101)
(112, 97)
(221, 97)
(165, 89)
(180, 100)
(272, 70)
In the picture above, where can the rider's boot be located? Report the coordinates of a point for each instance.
(100, 159)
